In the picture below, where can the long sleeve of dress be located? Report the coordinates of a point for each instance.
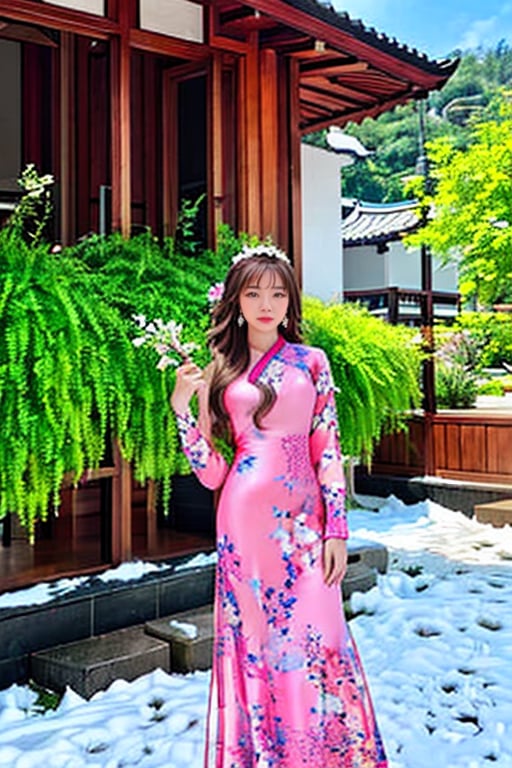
(209, 465)
(326, 453)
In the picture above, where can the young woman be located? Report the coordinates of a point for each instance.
(287, 686)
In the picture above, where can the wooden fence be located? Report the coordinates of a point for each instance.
(474, 446)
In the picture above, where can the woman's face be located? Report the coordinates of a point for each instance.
(264, 305)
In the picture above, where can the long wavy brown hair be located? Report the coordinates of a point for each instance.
(228, 341)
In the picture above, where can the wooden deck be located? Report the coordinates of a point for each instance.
(22, 565)
(77, 541)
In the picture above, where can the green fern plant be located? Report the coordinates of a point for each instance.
(65, 370)
(141, 277)
(376, 369)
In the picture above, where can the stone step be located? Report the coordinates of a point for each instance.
(372, 553)
(190, 638)
(91, 665)
(181, 642)
(497, 513)
(365, 559)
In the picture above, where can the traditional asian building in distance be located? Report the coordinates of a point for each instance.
(380, 272)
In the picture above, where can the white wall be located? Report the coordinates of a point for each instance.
(364, 268)
(10, 115)
(89, 6)
(321, 223)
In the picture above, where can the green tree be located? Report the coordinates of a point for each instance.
(472, 200)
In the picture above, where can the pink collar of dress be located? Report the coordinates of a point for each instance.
(260, 366)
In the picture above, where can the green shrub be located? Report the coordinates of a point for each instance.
(491, 330)
(492, 387)
(457, 369)
(140, 277)
(375, 366)
(67, 367)
(71, 378)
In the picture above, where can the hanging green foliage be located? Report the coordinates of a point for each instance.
(140, 277)
(375, 366)
(65, 367)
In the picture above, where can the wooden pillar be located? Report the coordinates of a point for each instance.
(253, 136)
(67, 139)
(242, 158)
(170, 154)
(120, 123)
(269, 117)
(295, 248)
(121, 535)
(151, 519)
(216, 150)
(283, 180)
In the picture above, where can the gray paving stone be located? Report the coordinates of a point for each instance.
(187, 654)
(93, 664)
(372, 553)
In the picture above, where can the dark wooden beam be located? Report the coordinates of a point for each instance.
(216, 150)
(350, 93)
(295, 170)
(253, 137)
(341, 118)
(26, 33)
(330, 93)
(121, 125)
(269, 143)
(55, 17)
(67, 144)
(340, 68)
(152, 42)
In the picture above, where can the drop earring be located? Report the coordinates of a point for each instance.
(284, 322)
(241, 320)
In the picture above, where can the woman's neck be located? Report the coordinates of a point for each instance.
(259, 343)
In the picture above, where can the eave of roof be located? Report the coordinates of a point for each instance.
(379, 41)
(373, 223)
(346, 71)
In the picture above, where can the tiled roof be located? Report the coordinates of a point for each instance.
(372, 223)
(356, 27)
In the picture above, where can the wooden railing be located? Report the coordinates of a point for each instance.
(402, 305)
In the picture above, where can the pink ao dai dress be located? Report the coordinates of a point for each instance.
(287, 689)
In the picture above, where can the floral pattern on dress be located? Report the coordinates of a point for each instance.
(296, 450)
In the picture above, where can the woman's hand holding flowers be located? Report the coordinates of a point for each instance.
(189, 381)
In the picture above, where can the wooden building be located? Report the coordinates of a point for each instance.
(136, 104)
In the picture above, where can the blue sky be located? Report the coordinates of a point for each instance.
(436, 27)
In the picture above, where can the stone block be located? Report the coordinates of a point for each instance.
(497, 513)
(124, 606)
(359, 578)
(372, 553)
(93, 664)
(187, 653)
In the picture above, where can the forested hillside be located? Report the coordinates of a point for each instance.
(393, 138)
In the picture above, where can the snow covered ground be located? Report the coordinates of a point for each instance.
(435, 636)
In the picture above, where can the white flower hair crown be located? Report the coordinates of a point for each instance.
(262, 249)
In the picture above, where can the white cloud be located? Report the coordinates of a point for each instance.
(480, 33)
